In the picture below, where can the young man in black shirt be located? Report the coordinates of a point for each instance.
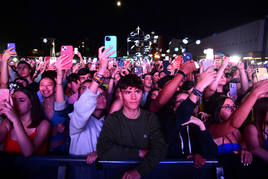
(132, 133)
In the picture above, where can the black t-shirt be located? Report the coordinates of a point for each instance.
(34, 86)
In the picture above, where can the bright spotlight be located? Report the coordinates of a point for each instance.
(198, 42)
(176, 49)
(235, 59)
(168, 51)
(45, 40)
(118, 3)
(185, 41)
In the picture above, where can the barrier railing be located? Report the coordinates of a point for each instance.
(69, 167)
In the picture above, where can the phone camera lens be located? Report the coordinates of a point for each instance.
(108, 38)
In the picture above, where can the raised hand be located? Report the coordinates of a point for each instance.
(8, 110)
(206, 78)
(8, 53)
(104, 59)
(260, 88)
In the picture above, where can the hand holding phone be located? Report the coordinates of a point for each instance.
(4, 95)
(11, 45)
(233, 91)
(261, 74)
(67, 50)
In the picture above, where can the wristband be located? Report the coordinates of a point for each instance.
(197, 92)
(98, 80)
(182, 73)
(99, 75)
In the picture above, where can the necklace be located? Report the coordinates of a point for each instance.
(133, 117)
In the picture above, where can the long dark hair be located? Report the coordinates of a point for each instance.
(36, 114)
(215, 106)
(260, 110)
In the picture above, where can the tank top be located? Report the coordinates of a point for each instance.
(12, 146)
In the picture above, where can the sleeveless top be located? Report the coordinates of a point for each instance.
(227, 148)
(12, 146)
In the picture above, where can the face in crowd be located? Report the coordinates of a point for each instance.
(131, 97)
(23, 70)
(154, 95)
(21, 103)
(101, 100)
(148, 81)
(227, 109)
(85, 77)
(47, 87)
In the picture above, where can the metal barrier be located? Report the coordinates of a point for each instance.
(69, 167)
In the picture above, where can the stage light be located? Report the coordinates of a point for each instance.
(198, 42)
(252, 62)
(185, 41)
(156, 37)
(163, 55)
(156, 56)
(118, 3)
(176, 49)
(45, 40)
(183, 50)
(168, 51)
(235, 59)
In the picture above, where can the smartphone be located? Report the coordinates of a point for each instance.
(10, 45)
(121, 62)
(206, 63)
(187, 56)
(67, 50)
(4, 95)
(75, 50)
(261, 74)
(138, 70)
(165, 65)
(109, 41)
(233, 91)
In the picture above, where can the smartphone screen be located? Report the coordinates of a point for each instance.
(206, 63)
(261, 74)
(233, 90)
(67, 50)
(10, 45)
(111, 41)
(187, 56)
(4, 95)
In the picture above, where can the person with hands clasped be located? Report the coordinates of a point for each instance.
(89, 112)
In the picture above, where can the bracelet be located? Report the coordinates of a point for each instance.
(197, 92)
(182, 73)
(99, 75)
(98, 80)
(58, 84)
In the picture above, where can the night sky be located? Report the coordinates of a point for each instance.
(26, 22)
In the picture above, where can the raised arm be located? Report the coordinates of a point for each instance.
(239, 116)
(4, 67)
(171, 87)
(243, 78)
(211, 89)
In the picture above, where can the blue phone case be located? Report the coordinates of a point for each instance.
(109, 41)
(187, 56)
(10, 45)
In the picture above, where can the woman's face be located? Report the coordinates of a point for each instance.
(154, 94)
(227, 109)
(23, 70)
(21, 102)
(46, 87)
(222, 80)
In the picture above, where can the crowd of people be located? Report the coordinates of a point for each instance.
(107, 110)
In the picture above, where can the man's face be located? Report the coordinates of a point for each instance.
(84, 77)
(131, 97)
(83, 87)
(75, 86)
(23, 70)
(101, 100)
(148, 82)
